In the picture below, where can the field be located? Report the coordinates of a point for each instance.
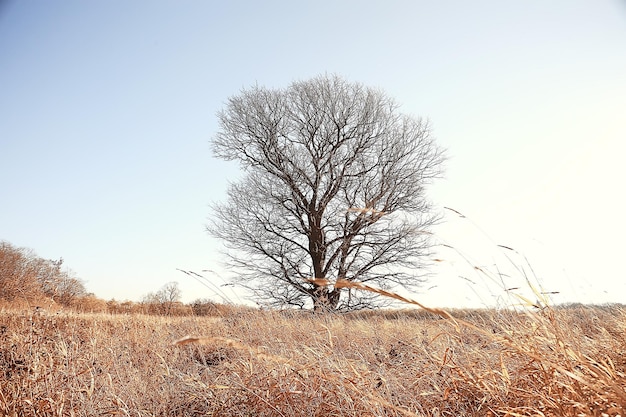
(550, 362)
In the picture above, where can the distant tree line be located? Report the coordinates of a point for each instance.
(29, 281)
(166, 302)
(27, 278)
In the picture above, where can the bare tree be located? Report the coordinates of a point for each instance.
(18, 273)
(69, 289)
(169, 295)
(163, 301)
(59, 283)
(152, 304)
(334, 189)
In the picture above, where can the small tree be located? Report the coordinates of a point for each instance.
(168, 296)
(164, 300)
(334, 189)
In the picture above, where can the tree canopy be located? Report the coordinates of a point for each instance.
(334, 188)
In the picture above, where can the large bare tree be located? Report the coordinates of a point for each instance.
(334, 188)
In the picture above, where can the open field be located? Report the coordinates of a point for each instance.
(554, 362)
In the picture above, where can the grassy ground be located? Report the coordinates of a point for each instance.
(554, 362)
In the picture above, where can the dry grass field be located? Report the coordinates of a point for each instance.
(553, 362)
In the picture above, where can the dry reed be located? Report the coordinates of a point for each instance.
(550, 362)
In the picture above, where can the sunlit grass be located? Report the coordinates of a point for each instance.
(528, 358)
(556, 361)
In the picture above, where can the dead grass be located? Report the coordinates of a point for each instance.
(554, 362)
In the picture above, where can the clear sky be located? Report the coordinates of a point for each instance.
(107, 109)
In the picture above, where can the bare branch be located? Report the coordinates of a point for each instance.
(334, 189)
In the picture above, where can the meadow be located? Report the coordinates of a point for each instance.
(247, 362)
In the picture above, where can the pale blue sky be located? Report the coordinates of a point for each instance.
(107, 108)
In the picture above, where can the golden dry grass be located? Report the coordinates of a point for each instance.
(554, 362)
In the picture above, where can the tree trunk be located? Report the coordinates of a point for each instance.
(325, 300)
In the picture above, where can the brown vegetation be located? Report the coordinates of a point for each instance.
(33, 284)
(553, 362)
(28, 280)
(84, 356)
